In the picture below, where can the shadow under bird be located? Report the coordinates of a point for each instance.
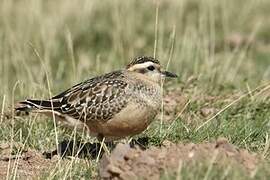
(112, 106)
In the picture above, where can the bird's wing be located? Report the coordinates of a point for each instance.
(99, 98)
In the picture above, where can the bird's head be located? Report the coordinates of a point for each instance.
(150, 68)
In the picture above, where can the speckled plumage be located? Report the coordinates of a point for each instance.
(98, 98)
(116, 104)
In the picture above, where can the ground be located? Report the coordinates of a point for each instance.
(126, 163)
(214, 123)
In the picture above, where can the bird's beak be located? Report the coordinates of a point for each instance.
(168, 74)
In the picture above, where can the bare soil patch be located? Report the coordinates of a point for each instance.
(27, 164)
(129, 163)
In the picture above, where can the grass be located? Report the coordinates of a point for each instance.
(47, 46)
(216, 172)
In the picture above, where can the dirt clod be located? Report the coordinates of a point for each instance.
(128, 163)
(206, 112)
(26, 164)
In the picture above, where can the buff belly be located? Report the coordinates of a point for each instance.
(130, 121)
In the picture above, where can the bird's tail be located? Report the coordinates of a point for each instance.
(31, 105)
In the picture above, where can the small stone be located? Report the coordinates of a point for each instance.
(205, 112)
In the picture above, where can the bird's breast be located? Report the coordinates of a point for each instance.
(147, 94)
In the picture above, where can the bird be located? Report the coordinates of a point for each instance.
(114, 105)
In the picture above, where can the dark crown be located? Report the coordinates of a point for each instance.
(142, 59)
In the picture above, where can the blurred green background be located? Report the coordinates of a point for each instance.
(61, 43)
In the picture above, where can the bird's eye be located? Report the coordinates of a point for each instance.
(151, 68)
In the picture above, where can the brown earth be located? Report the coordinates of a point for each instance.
(129, 163)
(25, 165)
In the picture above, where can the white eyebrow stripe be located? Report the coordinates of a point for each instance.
(141, 66)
